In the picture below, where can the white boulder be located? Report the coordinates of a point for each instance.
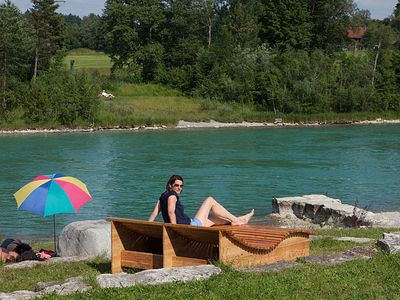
(325, 211)
(86, 238)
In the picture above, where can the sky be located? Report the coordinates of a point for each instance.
(379, 9)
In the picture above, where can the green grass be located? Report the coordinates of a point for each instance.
(377, 278)
(89, 60)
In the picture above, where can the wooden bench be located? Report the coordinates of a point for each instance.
(150, 245)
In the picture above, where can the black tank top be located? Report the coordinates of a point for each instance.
(181, 217)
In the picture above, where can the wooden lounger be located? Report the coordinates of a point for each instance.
(149, 245)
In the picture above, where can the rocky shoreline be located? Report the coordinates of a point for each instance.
(320, 211)
(193, 125)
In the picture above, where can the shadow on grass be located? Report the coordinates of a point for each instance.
(102, 267)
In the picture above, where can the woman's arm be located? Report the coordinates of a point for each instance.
(155, 212)
(171, 208)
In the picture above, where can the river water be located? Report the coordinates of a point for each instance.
(243, 168)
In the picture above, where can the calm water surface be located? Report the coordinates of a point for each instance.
(242, 168)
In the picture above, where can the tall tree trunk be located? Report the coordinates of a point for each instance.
(209, 31)
(35, 69)
(375, 64)
(5, 77)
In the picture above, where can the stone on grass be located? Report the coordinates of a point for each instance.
(18, 295)
(274, 267)
(68, 287)
(354, 239)
(53, 260)
(86, 238)
(157, 276)
(390, 242)
(361, 252)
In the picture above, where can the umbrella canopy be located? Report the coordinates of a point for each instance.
(52, 194)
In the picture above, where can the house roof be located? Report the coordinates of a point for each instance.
(356, 32)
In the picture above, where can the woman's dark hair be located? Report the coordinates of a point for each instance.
(171, 181)
(20, 248)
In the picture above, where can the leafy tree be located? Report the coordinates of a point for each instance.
(244, 22)
(73, 32)
(58, 96)
(387, 82)
(129, 26)
(15, 50)
(330, 19)
(92, 35)
(395, 21)
(49, 33)
(286, 23)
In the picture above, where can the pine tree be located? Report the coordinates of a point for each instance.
(286, 24)
(15, 47)
(49, 33)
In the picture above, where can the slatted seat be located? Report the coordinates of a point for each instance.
(147, 245)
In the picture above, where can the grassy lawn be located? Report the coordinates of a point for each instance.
(86, 59)
(377, 278)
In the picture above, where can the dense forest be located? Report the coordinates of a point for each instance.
(282, 56)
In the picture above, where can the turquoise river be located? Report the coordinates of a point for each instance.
(125, 172)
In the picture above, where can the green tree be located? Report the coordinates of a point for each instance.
(73, 32)
(49, 33)
(395, 20)
(15, 49)
(244, 22)
(330, 19)
(286, 23)
(92, 35)
(58, 96)
(129, 26)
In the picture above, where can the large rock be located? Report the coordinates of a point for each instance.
(390, 242)
(325, 211)
(157, 276)
(86, 238)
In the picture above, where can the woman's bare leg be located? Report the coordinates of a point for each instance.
(220, 214)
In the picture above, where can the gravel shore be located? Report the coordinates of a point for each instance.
(188, 125)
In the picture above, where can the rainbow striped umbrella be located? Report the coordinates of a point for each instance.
(48, 195)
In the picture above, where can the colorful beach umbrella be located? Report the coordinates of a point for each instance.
(48, 195)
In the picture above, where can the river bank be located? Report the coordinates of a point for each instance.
(190, 125)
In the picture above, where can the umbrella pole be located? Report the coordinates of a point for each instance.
(54, 232)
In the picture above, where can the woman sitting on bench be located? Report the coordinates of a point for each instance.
(172, 209)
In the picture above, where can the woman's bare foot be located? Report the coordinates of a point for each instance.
(242, 220)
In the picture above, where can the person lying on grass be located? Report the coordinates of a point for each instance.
(210, 212)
